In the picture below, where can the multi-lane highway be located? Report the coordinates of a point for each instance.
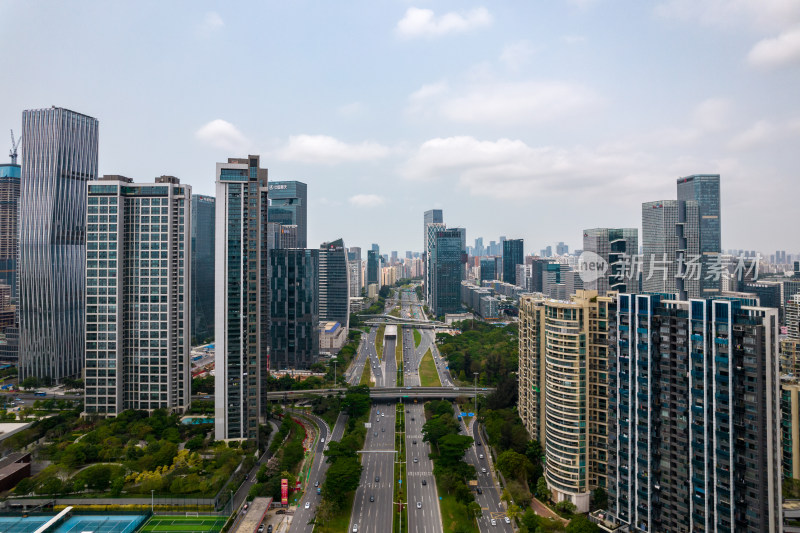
(302, 517)
(489, 496)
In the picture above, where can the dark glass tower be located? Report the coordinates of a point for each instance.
(699, 232)
(203, 221)
(512, 256)
(288, 206)
(447, 271)
(373, 276)
(9, 226)
(334, 286)
(59, 155)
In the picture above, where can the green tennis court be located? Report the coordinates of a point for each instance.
(185, 524)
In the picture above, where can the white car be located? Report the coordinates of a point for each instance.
(355, 528)
(483, 470)
(481, 456)
(494, 522)
(322, 439)
(508, 520)
(419, 505)
(308, 505)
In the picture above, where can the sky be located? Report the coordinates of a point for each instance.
(529, 119)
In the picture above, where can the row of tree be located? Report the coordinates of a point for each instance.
(490, 350)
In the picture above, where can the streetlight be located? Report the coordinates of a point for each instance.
(152, 501)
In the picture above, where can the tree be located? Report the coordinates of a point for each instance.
(337, 450)
(343, 476)
(542, 492)
(514, 465)
(513, 511)
(452, 448)
(475, 510)
(581, 524)
(599, 498)
(30, 383)
(566, 507)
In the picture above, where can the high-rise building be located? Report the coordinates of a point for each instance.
(479, 250)
(694, 396)
(512, 256)
(294, 308)
(563, 389)
(354, 267)
(9, 330)
(203, 220)
(699, 233)
(242, 335)
(447, 271)
(288, 206)
(289, 236)
(9, 225)
(373, 268)
(334, 284)
(138, 340)
(427, 283)
(59, 155)
(660, 244)
(488, 268)
(432, 216)
(615, 246)
(562, 249)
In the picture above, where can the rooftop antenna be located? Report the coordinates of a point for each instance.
(14, 145)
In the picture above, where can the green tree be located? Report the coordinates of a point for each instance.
(30, 383)
(566, 507)
(542, 492)
(343, 476)
(475, 510)
(514, 465)
(581, 524)
(513, 511)
(599, 498)
(337, 450)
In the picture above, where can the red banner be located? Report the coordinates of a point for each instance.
(284, 492)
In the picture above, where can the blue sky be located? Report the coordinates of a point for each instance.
(531, 119)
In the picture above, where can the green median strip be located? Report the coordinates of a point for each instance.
(417, 338)
(366, 375)
(428, 375)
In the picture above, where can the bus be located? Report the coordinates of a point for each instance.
(40, 393)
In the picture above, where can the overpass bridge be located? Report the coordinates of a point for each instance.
(374, 320)
(388, 393)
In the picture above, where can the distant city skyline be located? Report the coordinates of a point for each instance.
(523, 109)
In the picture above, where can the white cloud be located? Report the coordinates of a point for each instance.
(574, 39)
(366, 200)
(777, 51)
(732, 13)
(210, 24)
(223, 135)
(424, 22)
(505, 102)
(517, 55)
(510, 169)
(322, 149)
(757, 134)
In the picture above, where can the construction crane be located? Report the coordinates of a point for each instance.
(14, 145)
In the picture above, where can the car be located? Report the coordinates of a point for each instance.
(269, 527)
(483, 470)
(322, 439)
(454, 388)
(424, 482)
(494, 522)
(383, 414)
(407, 411)
(355, 528)
(261, 528)
(479, 490)
(246, 506)
(507, 520)
(413, 442)
(308, 505)
(479, 443)
(408, 388)
(416, 460)
(383, 430)
(377, 479)
(376, 433)
(372, 498)
(412, 418)
(419, 505)
(480, 456)
(316, 483)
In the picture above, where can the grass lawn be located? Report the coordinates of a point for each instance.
(366, 375)
(455, 515)
(417, 338)
(379, 340)
(428, 376)
(398, 355)
(173, 524)
(395, 312)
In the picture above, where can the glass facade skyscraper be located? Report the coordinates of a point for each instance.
(203, 223)
(699, 233)
(9, 225)
(241, 297)
(447, 271)
(660, 246)
(294, 308)
(59, 155)
(373, 271)
(614, 245)
(288, 206)
(137, 282)
(334, 283)
(512, 256)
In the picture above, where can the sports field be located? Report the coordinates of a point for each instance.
(185, 524)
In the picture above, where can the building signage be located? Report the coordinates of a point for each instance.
(284, 492)
(278, 187)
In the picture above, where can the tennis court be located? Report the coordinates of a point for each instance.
(20, 524)
(101, 524)
(185, 524)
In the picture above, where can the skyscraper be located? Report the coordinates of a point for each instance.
(699, 201)
(373, 268)
(203, 218)
(488, 268)
(563, 399)
(447, 271)
(433, 227)
(242, 297)
(615, 246)
(660, 246)
(694, 418)
(137, 315)
(9, 225)
(354, 267)
(512, 256)
(288, 206)
(294, 308)
(59, 155)
(334, 285)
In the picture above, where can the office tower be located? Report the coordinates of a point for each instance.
(289, 236)
(334, 284)
(203, 219)
(699, 201)
(288, 206)
(512, 256)
(563, 390)
(522, 277)
(241, 297)
(660, 245)
(617, 247)
(9, 331)
(447, 271)
(59, 155)
(552, 284)
(138, 324)
(294, 308)
(694, 415)
(488, 269)
(354, 266)
(394, 259)
(9, 226)
(479, 251)
(432, 216)
(548, 252)
(373, 269)
(538, 269)
(427, 283)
